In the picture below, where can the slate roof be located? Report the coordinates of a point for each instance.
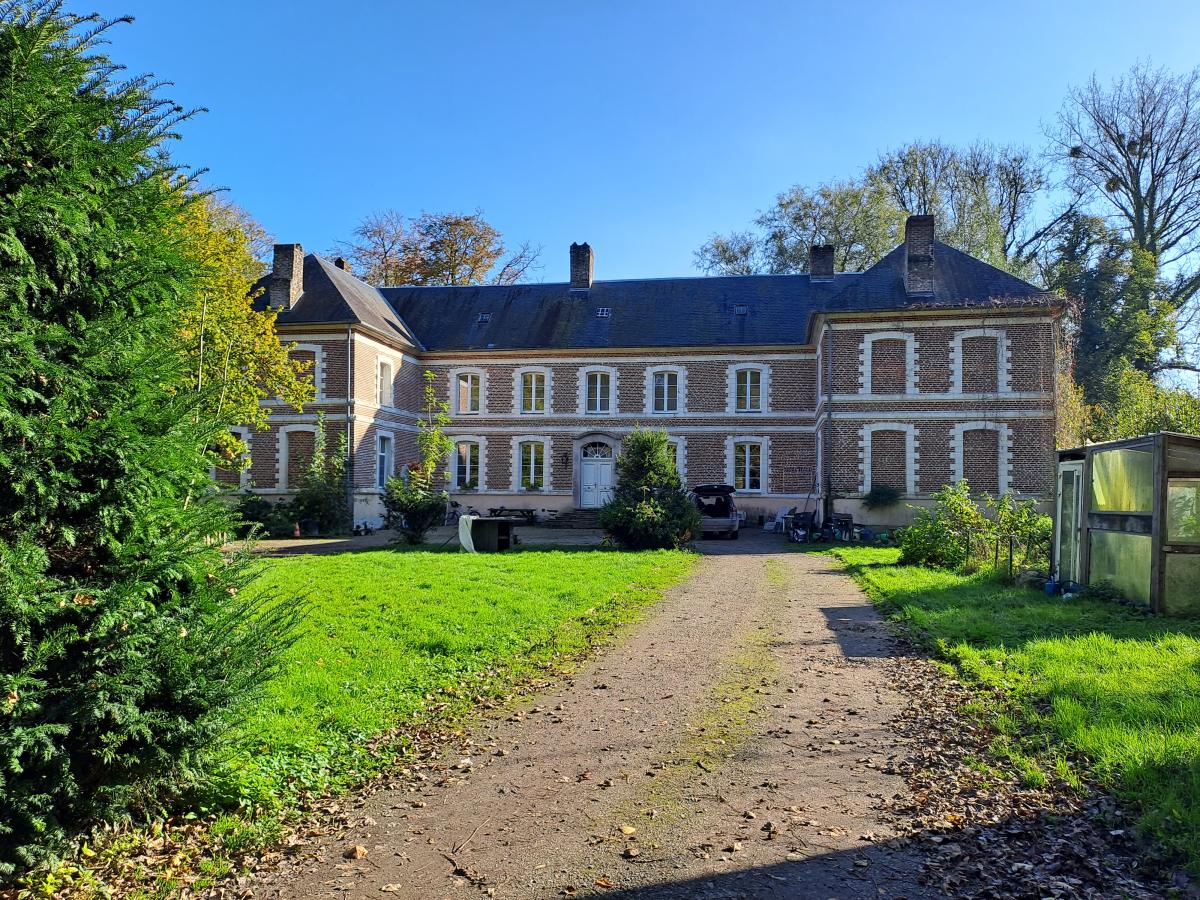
(334, 296)
(658, 312)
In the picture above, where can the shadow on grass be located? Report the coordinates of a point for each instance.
(1108, 688)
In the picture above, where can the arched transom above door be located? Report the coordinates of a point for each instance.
(596, 450)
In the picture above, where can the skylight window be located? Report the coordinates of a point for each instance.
(484, 318)
(604, 312)
(741, 309)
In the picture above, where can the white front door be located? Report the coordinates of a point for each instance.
(596, 483)
(595, 476)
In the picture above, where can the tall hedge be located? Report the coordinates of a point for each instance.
(125, 637)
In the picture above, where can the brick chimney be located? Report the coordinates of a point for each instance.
(287, 276)
(344, 264)
(582, 264)
(820, 261)
(918, 255)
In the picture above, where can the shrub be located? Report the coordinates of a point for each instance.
(930, 541)
(650, 508)
(125, 634)
(322, 500)
(417, 504)
(940, 537)
(881, 496)
(263, 518)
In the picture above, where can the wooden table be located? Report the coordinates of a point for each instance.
(493, 534)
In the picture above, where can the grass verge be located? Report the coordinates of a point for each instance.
(1098, 689)
(393, 643)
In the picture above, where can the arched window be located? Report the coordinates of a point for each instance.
(746, 460)
(598, 390)
(385, 384)
(982, 455)
(980, 361)
(531, 388)
(385, 458)
(888, 363)
(467, 466)
(468, 391)
(295, 450)
(314, 355)
(889, 456)
(748, 388)
(666, 390)
(531, 463)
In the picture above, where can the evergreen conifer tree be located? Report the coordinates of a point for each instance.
(125, 637)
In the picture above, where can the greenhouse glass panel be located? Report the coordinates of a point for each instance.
(1124, 559)
(1181, 596)
(1123, 481)
(1183, 511)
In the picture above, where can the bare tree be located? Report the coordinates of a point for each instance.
(1135, 145)
(736, 253)
(379, 247)
(435, 248)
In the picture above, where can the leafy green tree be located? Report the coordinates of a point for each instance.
(1121, 313)
(416, 504)
(125, 635)
(650, 508)
(1136, 404)
(234, 352)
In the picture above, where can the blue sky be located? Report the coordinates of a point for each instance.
(639, 127)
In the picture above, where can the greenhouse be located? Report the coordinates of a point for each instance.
(1128, 513)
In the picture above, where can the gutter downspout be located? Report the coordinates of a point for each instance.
(350, 423)
(826, 456)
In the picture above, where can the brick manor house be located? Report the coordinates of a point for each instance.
(800, 390)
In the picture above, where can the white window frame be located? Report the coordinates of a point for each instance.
(866, 350)
(680, 373)
(385, 390)
(1003, 358)
(679, 444)
(318, 372)
(584, 375)
(281, 452)
(452, 462)
(911, 449)
(517, 462)
(456, 394)
(243, 434)
(519, 390)
(764, 457)
(380, 437)
(764, 389)
(1004, 463)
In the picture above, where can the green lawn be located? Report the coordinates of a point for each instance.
(1096, 685)
(390, 636)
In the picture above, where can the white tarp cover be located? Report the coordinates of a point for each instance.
(464, 533)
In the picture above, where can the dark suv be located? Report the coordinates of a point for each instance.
(718, 510)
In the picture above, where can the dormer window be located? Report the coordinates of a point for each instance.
(604, 312)
(484, 318)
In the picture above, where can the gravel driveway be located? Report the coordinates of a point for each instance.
(731, 745)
